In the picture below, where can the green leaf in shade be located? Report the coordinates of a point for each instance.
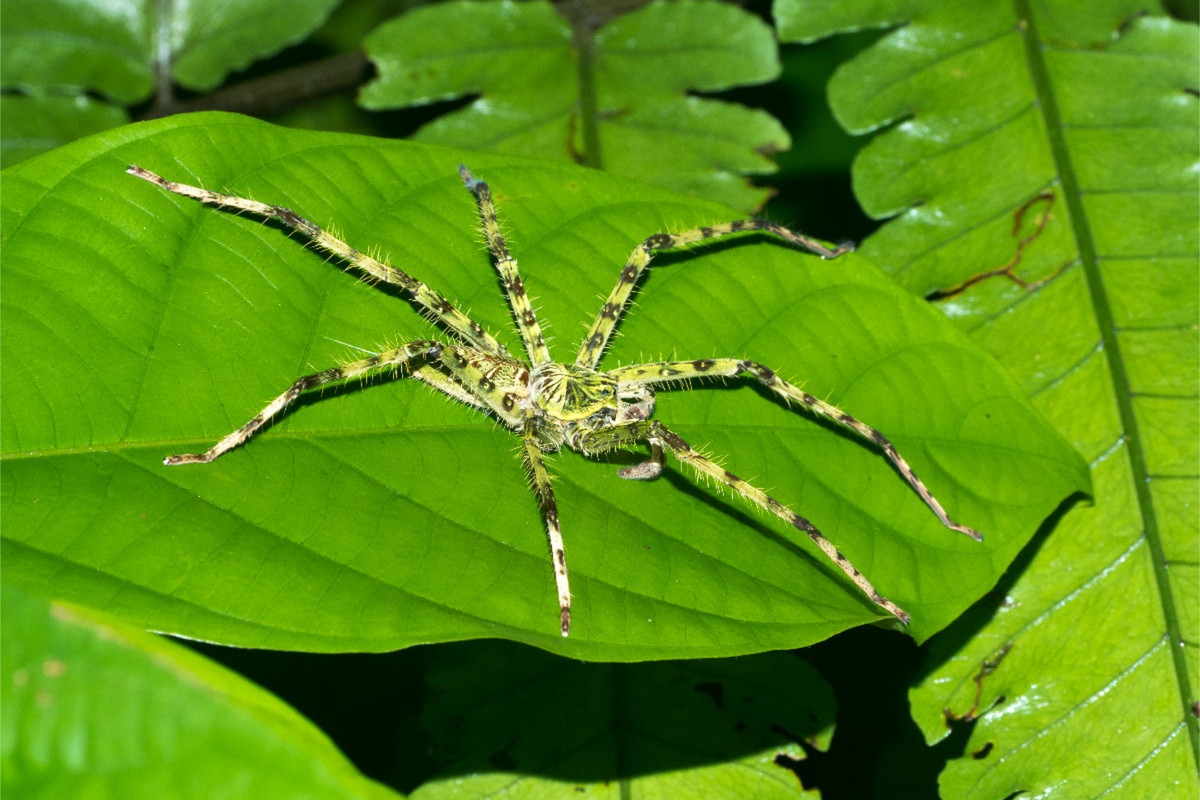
(1089, 665)
(616, 99)
(92, 707)
(540, 726)
(139, 324)
(115, 49)
(34, 124)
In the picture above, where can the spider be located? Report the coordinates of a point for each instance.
(554, 404)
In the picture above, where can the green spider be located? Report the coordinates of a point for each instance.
(553, 404)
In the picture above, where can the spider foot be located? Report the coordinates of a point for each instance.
(470, 180)
(974, 534)
(187, 458)
(895, 610)
(846, 246)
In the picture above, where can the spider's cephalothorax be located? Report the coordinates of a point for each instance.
(571, 393)
(554, 404)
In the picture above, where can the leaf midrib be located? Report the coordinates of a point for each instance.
(1081, 229)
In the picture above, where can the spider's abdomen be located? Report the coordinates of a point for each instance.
(569, 392)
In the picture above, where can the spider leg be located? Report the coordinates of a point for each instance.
(601, 330)
(395, 357)
(675, 371)
(655, 432)
(438, 380)
(442, 309)
(536, 466)
(506, 265)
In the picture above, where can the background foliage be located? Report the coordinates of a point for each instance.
(1048, 216)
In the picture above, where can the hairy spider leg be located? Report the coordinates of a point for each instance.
(393, 358)
(675, 371)
(653, 431)
(506, 265)
(481, 380)
(502, 385)
(469, 331)
(444, 384)
(601, 331)
(536, 466)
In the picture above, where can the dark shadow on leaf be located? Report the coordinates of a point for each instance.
(877, 750)
(455, 710)
(490, 703)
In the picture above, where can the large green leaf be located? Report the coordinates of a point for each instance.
(138, 324)
(117, 49)
(91, 707)
(540, 726)
(1083, 675)
(615, 98)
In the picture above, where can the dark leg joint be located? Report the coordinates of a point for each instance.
(758, 370)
